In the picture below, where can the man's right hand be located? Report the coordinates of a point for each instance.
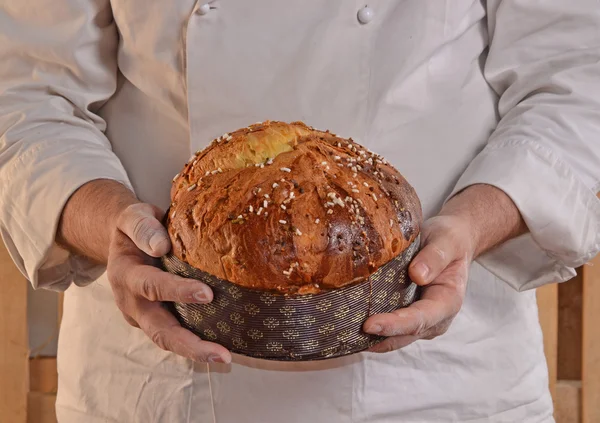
(139, 287)
(104, 221)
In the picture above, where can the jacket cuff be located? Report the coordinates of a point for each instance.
(562, 214)
(36, 186)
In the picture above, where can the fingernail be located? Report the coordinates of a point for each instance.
(375, 329)
(155, 241)
(215, 359)
(203, 295)
(200, 296)
(421, 270)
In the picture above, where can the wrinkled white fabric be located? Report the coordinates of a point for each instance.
(503, 92)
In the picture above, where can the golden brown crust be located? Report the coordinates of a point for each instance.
(288, 208)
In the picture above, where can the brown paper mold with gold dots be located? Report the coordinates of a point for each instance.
(301, 235)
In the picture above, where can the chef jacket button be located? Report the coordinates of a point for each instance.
(204, 9)
(365, 15)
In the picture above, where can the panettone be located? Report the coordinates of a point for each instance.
(290, 209)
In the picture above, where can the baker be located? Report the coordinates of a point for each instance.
(490, 109)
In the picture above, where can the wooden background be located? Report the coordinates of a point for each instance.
(569, 315)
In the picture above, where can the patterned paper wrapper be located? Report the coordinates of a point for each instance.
(295, 328)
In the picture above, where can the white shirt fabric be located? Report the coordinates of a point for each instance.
(456, 92)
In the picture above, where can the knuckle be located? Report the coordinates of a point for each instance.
(384, 346)
(124, 302)
(121, 302)
(457, 306)
(111, 274)
(115, 280)
(148, 289)
(130, 320)
(438, 330)
(456, 303)
(442, 330)
(420, 327)
(420, 324)
(160, 339)
(387, 347)
(131, 212)
(438, 252)
(113, 269)
(141, 230)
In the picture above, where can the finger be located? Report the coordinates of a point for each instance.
(434, 257)
(439, 303)
(153, 284)
(412, 320)
(415, 320)
(393, 343)
(140, 222)
(166, 332)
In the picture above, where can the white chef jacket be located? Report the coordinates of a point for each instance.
(456, 92)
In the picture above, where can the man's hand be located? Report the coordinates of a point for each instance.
(104, 221)
(139, 286)
(474, 221)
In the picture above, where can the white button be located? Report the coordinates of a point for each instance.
(365, 15)
(204, 9)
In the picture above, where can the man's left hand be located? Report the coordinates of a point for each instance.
(472, 222)
(442, 268)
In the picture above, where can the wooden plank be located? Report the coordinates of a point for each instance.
(41, 408)
(590, 366)
(547, 298)
(567, 405)
(14, 348)
(570, 302)
(43, 376)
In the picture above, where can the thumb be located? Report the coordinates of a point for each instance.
(438, 252)
(140, 222)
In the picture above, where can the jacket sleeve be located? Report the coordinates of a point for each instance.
(544, 63)
(57, 68)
